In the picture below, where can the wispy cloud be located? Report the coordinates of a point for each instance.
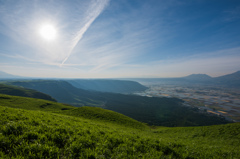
(72, 19)
(121, 38)
(110, 43)
(214, 63)
(95, 9)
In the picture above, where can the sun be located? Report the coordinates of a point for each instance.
(48, 32)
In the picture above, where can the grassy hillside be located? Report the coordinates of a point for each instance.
(31, 103)
(63, 92)
(108, 85)
(93, 113)
(154, 111)
(24, 92)
(43, 134)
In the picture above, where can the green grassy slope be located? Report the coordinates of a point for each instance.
(32, 134)
(19, 91)
(93, 113)
(31, 103)
(60, 131)
(39, 134)
(219, 132)
(218, 141)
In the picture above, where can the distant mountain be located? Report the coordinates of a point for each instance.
(230, 80)
(233, 76)
(108, 85)
(4, 75)
(198, 77)
(102, 85)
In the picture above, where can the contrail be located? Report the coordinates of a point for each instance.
(97, 9)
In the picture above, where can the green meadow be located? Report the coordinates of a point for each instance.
(35, 128)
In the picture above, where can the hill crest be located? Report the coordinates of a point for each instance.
(198, 77)
(23, 92)
(108, 85)
(93, 113)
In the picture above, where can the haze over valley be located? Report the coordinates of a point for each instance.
(198, 93)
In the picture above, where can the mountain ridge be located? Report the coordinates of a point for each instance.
(235, 75)
(200, 77)
(107, 85)
(4, 75)
(230, 80)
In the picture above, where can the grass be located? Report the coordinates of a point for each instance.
(31, 103)
(92, 113)
(23, 92)
(57, 131)
(35, 134)
(104, 115)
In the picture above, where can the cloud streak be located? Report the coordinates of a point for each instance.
(22, 20)
(94, 11)
(121, 37)
(214, 63)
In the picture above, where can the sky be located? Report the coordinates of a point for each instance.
(119, 38)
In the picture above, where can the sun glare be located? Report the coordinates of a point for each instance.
(48, 32)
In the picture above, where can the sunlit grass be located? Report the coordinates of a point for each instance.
(34, 133)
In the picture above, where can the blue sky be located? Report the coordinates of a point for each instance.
(120, 38)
